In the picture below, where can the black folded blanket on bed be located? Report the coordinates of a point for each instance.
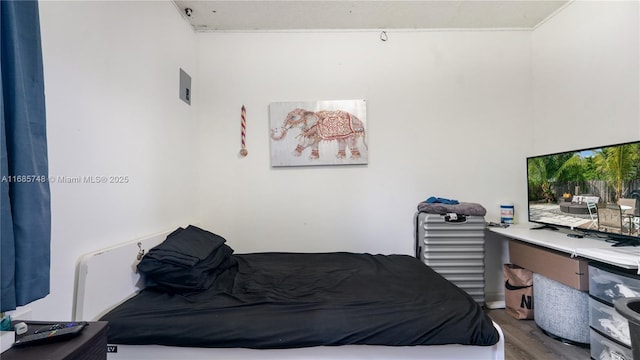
(188, 260)
(284, 300)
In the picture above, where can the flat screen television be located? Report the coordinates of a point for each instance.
(593, 191)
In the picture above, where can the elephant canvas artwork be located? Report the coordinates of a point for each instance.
(318, 133)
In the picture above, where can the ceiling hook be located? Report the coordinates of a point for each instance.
(383, 36)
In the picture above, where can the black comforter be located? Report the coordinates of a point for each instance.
(283, 300)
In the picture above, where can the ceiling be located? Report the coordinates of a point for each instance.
(266, 15)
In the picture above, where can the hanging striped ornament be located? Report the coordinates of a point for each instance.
(243, 132)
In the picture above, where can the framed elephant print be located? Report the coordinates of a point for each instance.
(318, 133)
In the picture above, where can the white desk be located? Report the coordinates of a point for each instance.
(557, 301)
(594, 249)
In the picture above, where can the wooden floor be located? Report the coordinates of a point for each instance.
(525, 341)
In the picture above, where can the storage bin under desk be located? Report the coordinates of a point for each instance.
(560, 310)
(610, 330)
(606, 320)
(604, 348)
(608, 283)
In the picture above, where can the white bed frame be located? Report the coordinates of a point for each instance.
(107, 277)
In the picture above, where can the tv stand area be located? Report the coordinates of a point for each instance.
(589, 248)
(570, 274)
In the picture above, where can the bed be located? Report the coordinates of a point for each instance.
(218, 304)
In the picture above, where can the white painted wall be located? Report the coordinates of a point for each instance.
(448, 114)
(586, 77)
(111, 81)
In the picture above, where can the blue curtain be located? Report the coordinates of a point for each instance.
(25, 197)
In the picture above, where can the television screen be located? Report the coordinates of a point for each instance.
(595, 191)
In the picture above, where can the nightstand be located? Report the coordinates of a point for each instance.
(91, 344)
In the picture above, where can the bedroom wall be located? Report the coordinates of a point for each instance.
(586, 76)
(111, 81)
(448, 114)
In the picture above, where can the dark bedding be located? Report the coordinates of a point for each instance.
(283, 300)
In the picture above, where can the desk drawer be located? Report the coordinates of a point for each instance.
(606, 320)
(552, 264)
(609, 284)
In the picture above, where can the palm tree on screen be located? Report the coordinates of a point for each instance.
(618, 164)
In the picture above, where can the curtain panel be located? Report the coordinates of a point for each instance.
(25, 195)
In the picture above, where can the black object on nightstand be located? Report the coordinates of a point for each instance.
(88, 344)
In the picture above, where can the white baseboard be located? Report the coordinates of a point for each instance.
(494, 300)
(495, 304)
